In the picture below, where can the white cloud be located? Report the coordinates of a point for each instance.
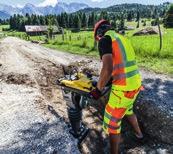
(96, 0)
(20, 6)
(48, 2)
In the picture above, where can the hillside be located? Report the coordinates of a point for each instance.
(144, 10)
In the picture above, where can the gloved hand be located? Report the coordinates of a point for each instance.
(96, 94)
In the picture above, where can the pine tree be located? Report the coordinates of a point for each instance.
(90, 21)
(138, 16)
(168, 20)
(84, 21)
(93, 20)
(11, 23)
(71, 21)
(138, 24)
(42, 20)
(122, 23)
(22, 25)
(78, 23)
(114, 24)
(129, 16)
(36, 20)
(63, 22)
(154, 14)
(50, 28)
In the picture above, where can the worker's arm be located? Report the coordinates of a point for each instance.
(106, 71)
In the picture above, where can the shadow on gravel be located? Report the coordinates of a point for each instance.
(159, 89)
(154, 108)
(94, 138)
(43, 138)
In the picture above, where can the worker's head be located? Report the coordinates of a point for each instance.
(101, 28)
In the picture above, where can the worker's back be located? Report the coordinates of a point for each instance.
(125, 74)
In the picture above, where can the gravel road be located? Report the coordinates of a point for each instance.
(27, 87)
(25, 124)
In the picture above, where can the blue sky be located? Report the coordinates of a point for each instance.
(90, 2)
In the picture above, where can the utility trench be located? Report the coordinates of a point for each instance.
(33, 116)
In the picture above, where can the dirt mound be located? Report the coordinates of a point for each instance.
(146, 31)
(19, 79)
(83, 66)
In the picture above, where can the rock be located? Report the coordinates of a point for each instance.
(130, 28)
(136, 151)
(146, 31)
(36, 42)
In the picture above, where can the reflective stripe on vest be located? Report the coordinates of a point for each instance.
(122, 48)
(111, 127)
(113, 119)
(126, 75)
(126, 64)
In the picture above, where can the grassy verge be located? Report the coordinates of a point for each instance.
(158, 65)
(9, 32)
(72, 49)
(3, 26)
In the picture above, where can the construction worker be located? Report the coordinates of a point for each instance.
(118, 59)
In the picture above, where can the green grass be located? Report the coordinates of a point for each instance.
(3, 26)
(134, 24)
(12, 32)
(158, 65)
(80, 43)
(1, 32)
(15, 34)
(150, 45)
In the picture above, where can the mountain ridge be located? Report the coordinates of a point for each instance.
(4, 15)
(8, 10)
(62, 7)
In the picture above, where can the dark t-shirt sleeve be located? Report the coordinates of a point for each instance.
(105, 46)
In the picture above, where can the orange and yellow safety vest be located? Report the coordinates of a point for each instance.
(125, 74)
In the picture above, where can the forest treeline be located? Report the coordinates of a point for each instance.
(85, 19)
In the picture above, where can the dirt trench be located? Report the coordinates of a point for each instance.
(29, 65)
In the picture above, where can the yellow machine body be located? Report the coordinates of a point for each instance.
(82, 83)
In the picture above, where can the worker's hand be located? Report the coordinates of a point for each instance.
(95, 94)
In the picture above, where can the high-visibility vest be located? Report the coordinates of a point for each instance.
(125, 73)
